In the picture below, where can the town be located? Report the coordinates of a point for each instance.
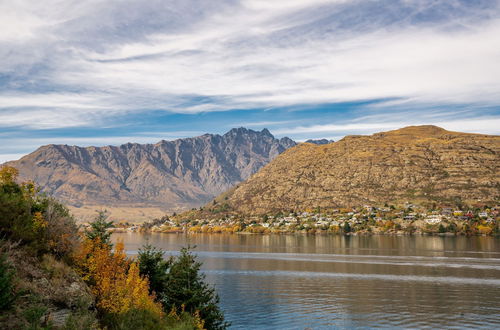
(404, 220)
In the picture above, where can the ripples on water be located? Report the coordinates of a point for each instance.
(300, 282)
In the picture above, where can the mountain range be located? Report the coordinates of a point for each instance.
(420, 164)
(136, 181)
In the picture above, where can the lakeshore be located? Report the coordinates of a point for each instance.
(367, 220)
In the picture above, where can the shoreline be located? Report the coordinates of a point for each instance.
(183, 232)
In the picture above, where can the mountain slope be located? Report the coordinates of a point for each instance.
(169, 174)
(420, 164)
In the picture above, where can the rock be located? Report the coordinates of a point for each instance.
(59, 317)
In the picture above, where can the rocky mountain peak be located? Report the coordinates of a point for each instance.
(168, 175)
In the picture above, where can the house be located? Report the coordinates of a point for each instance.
(433, 219)
(447, 211)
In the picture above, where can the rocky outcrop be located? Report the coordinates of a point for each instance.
(320, 141)
(421, 164)
(50, 294)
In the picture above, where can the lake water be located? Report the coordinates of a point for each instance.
(324, 282)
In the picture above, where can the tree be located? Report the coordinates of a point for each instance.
(155, 267)
(8, 174)
(186, 287)
(99, 229)
(115, 280)
(347, 227)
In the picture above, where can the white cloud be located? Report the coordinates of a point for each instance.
(131, 56)
(489, 125)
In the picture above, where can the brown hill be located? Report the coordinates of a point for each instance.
(418, 163)
(143, 180)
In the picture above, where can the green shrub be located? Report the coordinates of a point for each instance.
(142, 319)
(33, 218)
(7, 295)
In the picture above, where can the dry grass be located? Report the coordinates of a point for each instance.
(87, 213)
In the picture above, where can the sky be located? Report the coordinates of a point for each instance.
(107, 72)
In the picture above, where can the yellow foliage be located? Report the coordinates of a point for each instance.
(8, 174)
(38, 221)
(115, 281)
(198, 322)
(30, 189)
(485, 230)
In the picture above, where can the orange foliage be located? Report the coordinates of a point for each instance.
(484, 230)
(115, 280)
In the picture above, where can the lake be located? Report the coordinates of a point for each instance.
(324, 282)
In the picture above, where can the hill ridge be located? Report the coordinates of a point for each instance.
(421, 163)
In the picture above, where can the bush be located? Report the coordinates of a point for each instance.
(34, 219)
(7, 295)
(16, 220)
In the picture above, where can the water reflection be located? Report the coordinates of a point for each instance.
(295, 282)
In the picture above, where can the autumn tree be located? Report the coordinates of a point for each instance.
(115, 280)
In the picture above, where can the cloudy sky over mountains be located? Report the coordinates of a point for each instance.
(108, 72)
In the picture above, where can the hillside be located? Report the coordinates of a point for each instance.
(420, 164)
(144, 180)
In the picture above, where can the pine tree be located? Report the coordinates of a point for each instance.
(186, 287)
(155, 267)
(99, 229)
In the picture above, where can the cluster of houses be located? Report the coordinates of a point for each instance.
(408, 214)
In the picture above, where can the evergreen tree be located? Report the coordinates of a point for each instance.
(155, 267)
(186, 287)
(347, 227)
(99, 229)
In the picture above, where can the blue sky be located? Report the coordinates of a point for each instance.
(101, 72)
